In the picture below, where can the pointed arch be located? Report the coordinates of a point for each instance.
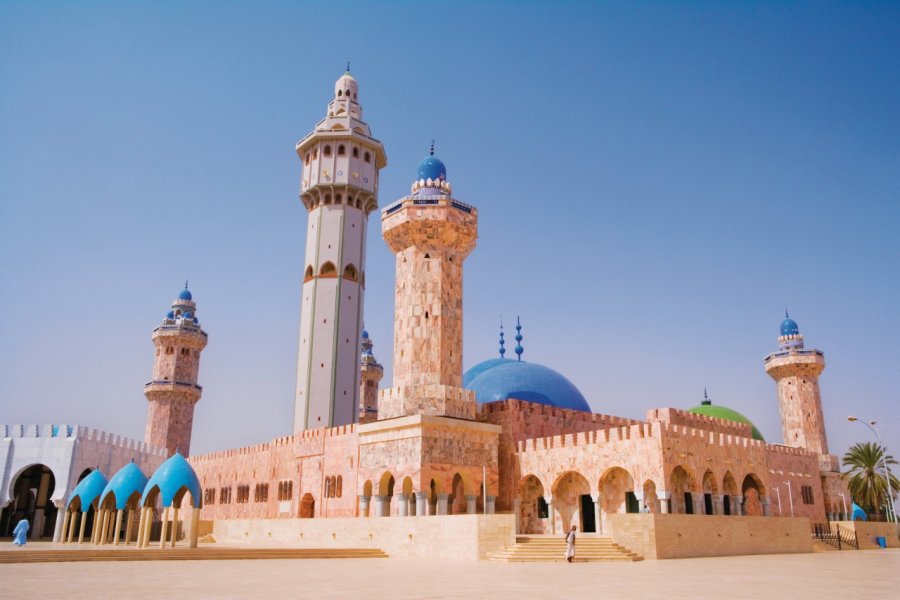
(350, 272)
(308, 274)
(328, 269)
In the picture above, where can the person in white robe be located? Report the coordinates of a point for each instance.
(570, 544)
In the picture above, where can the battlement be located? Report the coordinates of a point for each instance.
(82, 433)
(602, 421)
(686, 418)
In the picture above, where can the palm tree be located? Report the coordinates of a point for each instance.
(866, 477)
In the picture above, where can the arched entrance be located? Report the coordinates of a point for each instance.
(570, 493)
(710, 489)
(651, 500)
(730, 491)
(753, 492)
(307, 506)
(30, 492)
(682, 484)
(533, 510)
(458, 496)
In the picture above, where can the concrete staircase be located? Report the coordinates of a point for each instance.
(207, 553)
(553, 548)
(820, 546)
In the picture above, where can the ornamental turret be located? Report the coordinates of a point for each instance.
(431, 235)
(339, 188)
(370, 375)
(173, 391)
(796, 371)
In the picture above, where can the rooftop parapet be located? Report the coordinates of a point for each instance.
(80, 432)
(683, 417)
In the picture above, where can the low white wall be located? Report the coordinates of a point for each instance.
(470, 537)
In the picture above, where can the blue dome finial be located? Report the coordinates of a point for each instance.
(519, 349)
(431, 152)
(502, 341)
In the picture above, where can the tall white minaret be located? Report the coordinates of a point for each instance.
(339, 189)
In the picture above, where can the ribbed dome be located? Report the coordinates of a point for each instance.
(127, 481)
(170, 477)
(722, 412)
(89, 489)
(431, 168)
(523, 381)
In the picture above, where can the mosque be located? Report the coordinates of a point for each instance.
(507, 448)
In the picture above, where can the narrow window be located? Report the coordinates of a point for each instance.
(326, 151)
(367, 157)
(308, 274)
(355, 152)
(351, 273)
(341, 150)
(328, 270)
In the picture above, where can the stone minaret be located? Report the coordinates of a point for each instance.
(796, 370)
(370, 374)
(173, 390)
(339, 188)
(431, 234)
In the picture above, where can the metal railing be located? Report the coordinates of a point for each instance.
(836, 536)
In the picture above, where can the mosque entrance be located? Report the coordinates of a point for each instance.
(688, 504)
(31, 493)
(707, 503)
(588, 524)
(726, 504)
(631, 503)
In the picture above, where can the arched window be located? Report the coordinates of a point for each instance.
(328, 270)
(308, 274)
(307, 158)
(327, 198)
(351, 273)
(341, 150)
(315, 153)
(326, 151)
(340, 484)
(337, 198)
(355, 152)
(340, 93)
(367, 157)
(328, 487)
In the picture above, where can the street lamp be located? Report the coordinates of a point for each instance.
(778, 495)
(790, 496)
(887, 472)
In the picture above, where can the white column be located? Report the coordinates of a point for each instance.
(400, 501)
(363, 506)
(699, 503)
(491, 502)
(597, 514)
(766, 506)
(737, 505)
(60, 521)
(471, 504)
(421, 504)
(442, 504)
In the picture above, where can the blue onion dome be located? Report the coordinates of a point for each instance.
(185, 294)
(89, 489)
(431, 168)
(129, 480)
(520, 380)
(481, 367)
(789, 327)
(187, 315)
(365, 334)
(196, 321)
(173, 476)
(170, 315)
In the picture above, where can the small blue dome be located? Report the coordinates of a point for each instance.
(185, 295)
(365, 334)
(89, 489)
(526, 381)
(170, 478)
(789, 327)
(170, 314)
(431, 168)
(129, 480)
(187, 315)
(196, 321)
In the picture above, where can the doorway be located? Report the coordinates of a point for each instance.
(588, 523)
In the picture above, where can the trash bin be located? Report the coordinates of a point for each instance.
(882, 543)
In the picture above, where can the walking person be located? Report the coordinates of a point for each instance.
(20, 532)
(570, 544)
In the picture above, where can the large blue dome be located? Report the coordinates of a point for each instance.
(501, 379)
(431, 168)
(789, 327)
(185, 294)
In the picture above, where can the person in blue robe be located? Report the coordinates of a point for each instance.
(20, 532)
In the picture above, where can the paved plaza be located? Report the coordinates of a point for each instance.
(866, 575)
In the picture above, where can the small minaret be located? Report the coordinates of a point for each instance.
(339, 188)
(370, 374)
(796, 370)
(173, 390)
(431, 234)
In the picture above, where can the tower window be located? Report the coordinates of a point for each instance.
(170, 350)
(340, 93)
(355, 152)
(351, 273)
(367, 157)
(341, 150)
(315, 153)
(306, 161)
(308, 274)
(326, 151)
(337, 198)
(327, 198)
(328, 270)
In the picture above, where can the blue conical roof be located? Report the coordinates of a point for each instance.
(89, 489)
(171, 476)
(128, 480)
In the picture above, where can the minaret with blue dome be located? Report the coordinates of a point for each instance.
(370, 375)
(796, 371)
(173, 391)
(431, 233)
(339, 189)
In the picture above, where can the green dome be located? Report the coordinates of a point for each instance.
(721, 412)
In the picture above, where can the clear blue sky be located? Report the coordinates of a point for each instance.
(656, 182)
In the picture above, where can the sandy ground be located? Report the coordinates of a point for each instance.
(854, 575)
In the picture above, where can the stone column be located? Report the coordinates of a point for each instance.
(363, 506)
(174, 525)
(550, 515)
(195, 527)
(491, 503)
(400, 501)
(699, 503)
(663, 498)
(118, 527)
(379, 506)
(471, 503)
(719, 504)
(598, 514)
(162, 531)
(411, 505)
(129, 520)
(60, 521)
(766, 506)
(82, 526)
(442, 503)
(737, 505)
(421, 504)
